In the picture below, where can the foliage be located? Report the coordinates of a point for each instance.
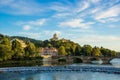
(70, 47)
(86, 50)
(5, 49)
(13, 50)
(5, 52)
(17, 49)
(96, 52)
(62, 51)
(30, 50)
(78, 50)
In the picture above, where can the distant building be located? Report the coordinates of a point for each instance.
(55, 37)
(49, 51)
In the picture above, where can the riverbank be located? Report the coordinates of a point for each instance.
(21, 63)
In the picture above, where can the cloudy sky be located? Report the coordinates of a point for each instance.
(94, 22)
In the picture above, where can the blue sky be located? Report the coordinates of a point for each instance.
(94, 22)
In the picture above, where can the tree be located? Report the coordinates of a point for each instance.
(62, 51)
(30, 50)
(96, 51)
(17, 48)
(5, 49)
(6, 41)
(106, 52)
(113, 53)
(73, 49)
(86, 50)
(78, 50)
(5, 52)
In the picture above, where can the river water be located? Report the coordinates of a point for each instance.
(59, 76)
(31, 75)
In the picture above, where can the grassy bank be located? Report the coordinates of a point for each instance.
(22, 62)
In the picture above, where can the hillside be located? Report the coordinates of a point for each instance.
(67, 47)
(37, 43)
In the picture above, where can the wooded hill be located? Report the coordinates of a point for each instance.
(15, 50)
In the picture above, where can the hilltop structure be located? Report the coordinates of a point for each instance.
(55, 37)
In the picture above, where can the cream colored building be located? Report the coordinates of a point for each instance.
(49, 51)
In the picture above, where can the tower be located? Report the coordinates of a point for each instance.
(55, 37)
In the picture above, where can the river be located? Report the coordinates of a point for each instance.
(64, 75)
(59, 76)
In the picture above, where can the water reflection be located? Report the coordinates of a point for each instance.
(59, 76)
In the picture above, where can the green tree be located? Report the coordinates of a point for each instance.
(96, 51)
(5, 52)
(62, 51)
(73, 49)
(107, 53)
(18, 49)
(5, 49)
(6, 41)
(86, 50)
(113, 53)
(30, 50)
(78, 50)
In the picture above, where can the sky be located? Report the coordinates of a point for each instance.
(93, 22)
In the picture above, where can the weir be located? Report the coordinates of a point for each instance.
(62, 69)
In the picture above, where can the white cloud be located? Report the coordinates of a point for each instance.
(82, 6)
(20, 7)
(95, 1)
(26, 27)
(59, 7)
(70, 9)
(76, 23)
(61, 15)
(108, 15)
(96, 10)
(38, 22)
(108, 41)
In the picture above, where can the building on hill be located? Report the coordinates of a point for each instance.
(49, 51)
(23, 44)
(55, 37)
(65, 40)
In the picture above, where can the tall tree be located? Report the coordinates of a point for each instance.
(73, 49)
(96, 51)
(62, 51)
(78, 50)
(5, 49)
(86, 50)
(30, 50)
(18, 49)
(5, 41)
